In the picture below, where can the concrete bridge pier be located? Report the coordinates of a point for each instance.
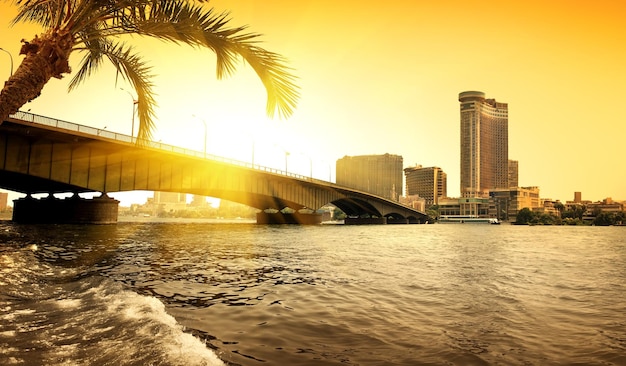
(73, 210)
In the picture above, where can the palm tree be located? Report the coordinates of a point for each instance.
(94, 28)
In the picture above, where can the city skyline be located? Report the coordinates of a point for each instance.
(378, 80)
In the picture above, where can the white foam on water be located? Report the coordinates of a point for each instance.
(13, 361)
(16, 313)
(189, 350)
(158, 326)
(68, 303)
(8, 334)
(52, 316)
(7, 350)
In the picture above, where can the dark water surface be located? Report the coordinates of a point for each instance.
(193, 293)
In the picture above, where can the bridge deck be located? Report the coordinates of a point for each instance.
(40, 154)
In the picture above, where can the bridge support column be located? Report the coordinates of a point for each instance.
(74, 210)
(280, 218)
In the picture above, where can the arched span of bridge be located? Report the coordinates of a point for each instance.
(43, 155)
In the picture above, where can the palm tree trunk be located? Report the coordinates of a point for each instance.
(45, 57)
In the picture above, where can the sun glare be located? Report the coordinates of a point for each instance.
(257, 141)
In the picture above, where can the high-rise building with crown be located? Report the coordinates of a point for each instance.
(484, 144)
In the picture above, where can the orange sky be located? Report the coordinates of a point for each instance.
(383, 77)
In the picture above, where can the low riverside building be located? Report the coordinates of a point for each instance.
(464, 206)
(606, 205)
(415, 202)
(549, 207)
(504, 204)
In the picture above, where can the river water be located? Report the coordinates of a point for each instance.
(204, 293)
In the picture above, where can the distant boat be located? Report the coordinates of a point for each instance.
(466, 219)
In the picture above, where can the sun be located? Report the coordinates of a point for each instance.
(248, 138)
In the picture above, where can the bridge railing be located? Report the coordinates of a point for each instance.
(103, 133)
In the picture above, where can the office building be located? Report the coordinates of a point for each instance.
(168, 202)
(429, 183)
(484, 144)
(170, 197)
(472, 206)
(506, 203)
(198, 201)
(415, 202)
(4, 200)
(578, 197)
(513, 173)
(376, 174)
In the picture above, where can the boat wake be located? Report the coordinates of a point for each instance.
(55, 315)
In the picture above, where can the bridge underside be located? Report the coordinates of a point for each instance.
(44, 159)
(28, 184)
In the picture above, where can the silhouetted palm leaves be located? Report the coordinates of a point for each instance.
(94, 28)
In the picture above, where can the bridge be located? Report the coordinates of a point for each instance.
(44, 155)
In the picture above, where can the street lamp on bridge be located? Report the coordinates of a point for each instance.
(135, 102)
(205, 133)
(11, 58)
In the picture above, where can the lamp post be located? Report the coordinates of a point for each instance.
(330, 173)
(286, 155)
(10, 57)
(135, 102)
(205, 133)
(252, 152)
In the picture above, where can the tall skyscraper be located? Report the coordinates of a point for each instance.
(484, 144)
(428, 183)
(377, 174)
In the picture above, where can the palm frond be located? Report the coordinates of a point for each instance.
(96, 26)
(38, 12)
(90, 63)
(282, 91)
(132, 68)
(182, 22)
